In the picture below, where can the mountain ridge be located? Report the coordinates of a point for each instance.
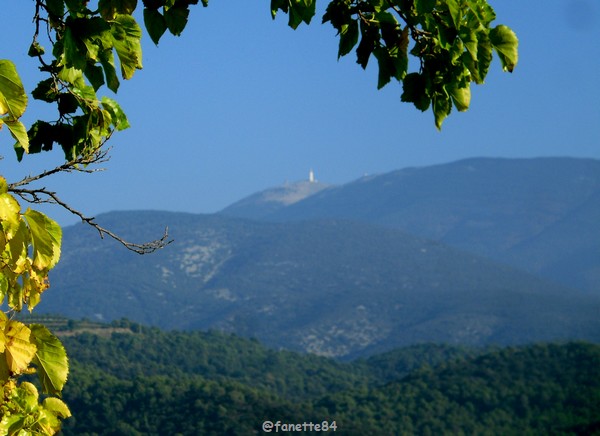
(509, 210)
(334, 288)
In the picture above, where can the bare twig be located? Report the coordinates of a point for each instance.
(75, 165)
(79, 164)
(43, 195)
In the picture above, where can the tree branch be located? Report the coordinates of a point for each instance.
(75, 165)
(79, 164)
(43, 195)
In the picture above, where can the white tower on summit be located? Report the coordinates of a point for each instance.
(311, 176)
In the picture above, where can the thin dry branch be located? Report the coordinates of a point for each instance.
(76, 165)
(80, 164)
(43, 195)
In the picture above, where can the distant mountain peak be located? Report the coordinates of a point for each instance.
(291, 193)
(263, 203)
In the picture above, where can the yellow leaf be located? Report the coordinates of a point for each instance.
(19, 351)
(3, 321)
(13, 98)
(46, 235)
(18, 243)
(9, 214)
(33, 286)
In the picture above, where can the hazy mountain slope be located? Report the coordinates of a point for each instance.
(576, 259)
(269, 201)
(333, 287)
(537, 214)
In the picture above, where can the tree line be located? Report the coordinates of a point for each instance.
(148, 381)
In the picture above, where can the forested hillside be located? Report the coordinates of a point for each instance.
(131, 380)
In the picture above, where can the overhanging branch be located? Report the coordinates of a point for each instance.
(80, 164)
(43, 195)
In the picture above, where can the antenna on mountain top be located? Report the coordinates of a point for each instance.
(311, 176)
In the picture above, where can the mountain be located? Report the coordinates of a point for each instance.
(540, 214)
(333, 287)
(269, 201)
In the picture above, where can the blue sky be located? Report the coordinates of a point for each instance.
(240, 103)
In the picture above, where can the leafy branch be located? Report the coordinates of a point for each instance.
(452, 40)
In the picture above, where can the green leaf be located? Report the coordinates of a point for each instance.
(277, 5)
(94, 37)
(424, 6)
(19, 132)
(153, 4)
(484, 54)
(308, 9)
(176, 19)
(67, 103)
(57, 407)
(348, 38)
(95, 75)
(46, 236)
(155, 24)
(456, 50)
(31, 392)
(386, 66)
(72, 75)
(119, 119)
(75, 51)
(56, 7)
(506, 44)
(300, 11)
(399, 55)
(295, 17)
(414, 88)
(109, 8)
(469, 39)
(478, 56)
(461, 97)
(45, 91)
(338, 12)
(35, 49)
(41, 136)
(107, 60)
(13, 99)
(74, 6)
(483, 12)
(51, 360)
(127, 37)
(369, 37)
(455, 12)
(441, 109)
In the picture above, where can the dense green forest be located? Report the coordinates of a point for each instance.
(128, 379)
